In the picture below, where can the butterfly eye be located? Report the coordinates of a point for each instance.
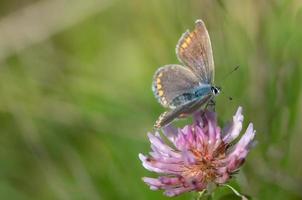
(215, 90)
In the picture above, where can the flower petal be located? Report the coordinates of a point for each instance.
(160, 167)
(233, 130)
(211, 119)
(188, 157)
(146, 165)
(177, 191)
(240, 151)
(160, 146)
(154, 183)
(246, 140)
(170, 132)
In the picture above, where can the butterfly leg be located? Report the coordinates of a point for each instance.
(210, 105)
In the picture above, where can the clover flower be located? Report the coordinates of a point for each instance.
(197, 156)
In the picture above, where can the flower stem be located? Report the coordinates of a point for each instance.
(204, 195)
(236, 192)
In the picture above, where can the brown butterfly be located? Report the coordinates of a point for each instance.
(186, 88)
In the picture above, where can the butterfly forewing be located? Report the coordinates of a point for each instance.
(171, 81)
(194, 50)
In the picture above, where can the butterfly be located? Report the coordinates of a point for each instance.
(185, 88)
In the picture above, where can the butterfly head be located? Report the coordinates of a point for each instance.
(215, 90)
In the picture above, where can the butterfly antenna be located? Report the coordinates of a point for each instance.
(231, 72)
(226, 76)
(230, 98)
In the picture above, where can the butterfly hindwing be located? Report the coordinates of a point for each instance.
(181, 111)
(194, 50)
(171, 81)
(168, 116)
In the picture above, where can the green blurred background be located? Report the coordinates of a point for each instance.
(76, 100)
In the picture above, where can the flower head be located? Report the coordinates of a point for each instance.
(198, 155)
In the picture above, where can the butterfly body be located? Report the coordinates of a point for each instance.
(185, 89)
(188, 106)
(194, 95)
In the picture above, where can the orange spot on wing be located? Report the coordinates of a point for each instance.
(188, 40)
(184, 45)
(192, 34)
(160, 93)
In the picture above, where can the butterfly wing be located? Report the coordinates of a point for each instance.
(194, 50)
(171, 81)
(181, 111)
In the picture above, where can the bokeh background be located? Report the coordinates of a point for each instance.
(76, 100)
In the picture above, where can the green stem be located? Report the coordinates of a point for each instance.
(204, 195)
(236, 192)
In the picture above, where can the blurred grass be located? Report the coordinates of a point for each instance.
(76, 107)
